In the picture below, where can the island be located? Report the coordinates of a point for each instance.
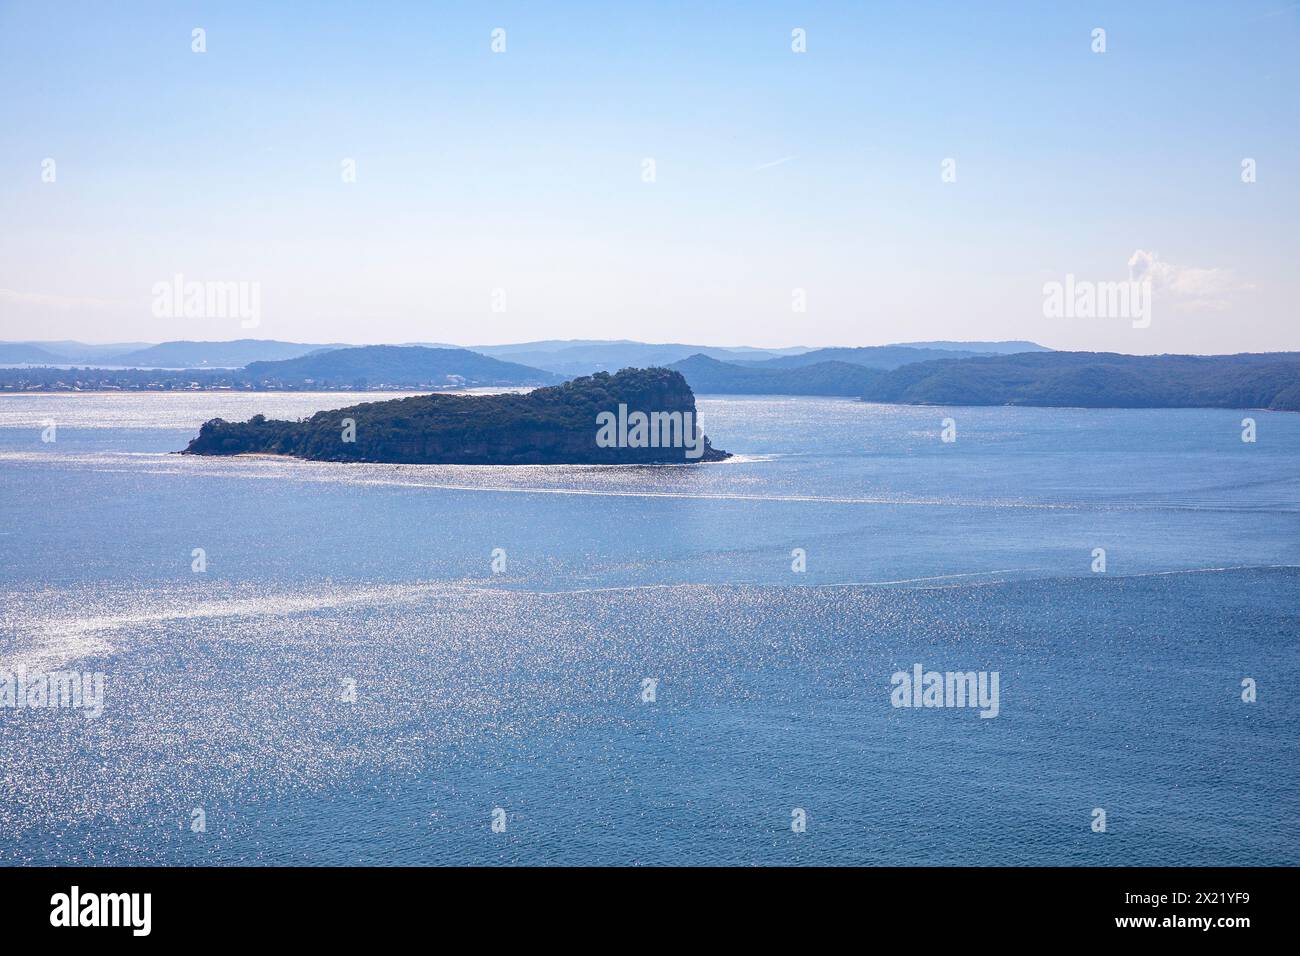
(636, 416)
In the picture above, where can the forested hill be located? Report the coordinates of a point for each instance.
(405, 365)
(556, 425)
(872, 356)
(1098, 380)
(709, 376)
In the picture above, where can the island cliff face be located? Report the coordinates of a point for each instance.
(636, 416)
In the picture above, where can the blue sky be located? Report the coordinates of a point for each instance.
(522, 171)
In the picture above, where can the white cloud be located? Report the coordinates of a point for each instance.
(1198, 288)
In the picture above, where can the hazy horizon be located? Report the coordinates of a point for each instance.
(107, 341)
(913, 174)
(712, 345)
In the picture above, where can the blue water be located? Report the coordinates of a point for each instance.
(522, 690)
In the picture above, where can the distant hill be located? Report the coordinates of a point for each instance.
(872, 356)
(411, 365)
(26, 353)
(709, 376)
(1099, 380)
(584, 358)
(576, 345)
(236, 354)
(546, 345)
(563, 357)
(67, 352)
(558, 425)
(999, 348)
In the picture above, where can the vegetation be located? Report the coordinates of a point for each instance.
(706, 375)
(1099, 380)
(555, 425)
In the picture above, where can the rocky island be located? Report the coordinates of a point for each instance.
(637, 416)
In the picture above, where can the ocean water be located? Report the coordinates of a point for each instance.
(349, 681)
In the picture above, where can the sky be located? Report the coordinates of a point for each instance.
(667, 172)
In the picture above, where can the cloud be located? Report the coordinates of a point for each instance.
(1197, 287)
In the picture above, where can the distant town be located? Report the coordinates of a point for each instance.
(152, 380)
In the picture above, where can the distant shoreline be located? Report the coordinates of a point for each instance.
(891, 374)
(708, 395)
